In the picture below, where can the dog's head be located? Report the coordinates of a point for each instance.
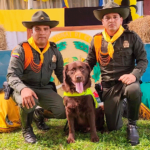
(76, 77)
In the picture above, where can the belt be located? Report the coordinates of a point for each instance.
(109, 84)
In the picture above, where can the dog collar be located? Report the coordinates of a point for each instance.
(86, 92)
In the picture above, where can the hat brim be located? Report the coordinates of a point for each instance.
(123, 11)
(30, 24)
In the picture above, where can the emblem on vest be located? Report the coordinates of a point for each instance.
(125, 44)
(54, 58)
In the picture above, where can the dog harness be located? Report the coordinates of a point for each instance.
(87, 92)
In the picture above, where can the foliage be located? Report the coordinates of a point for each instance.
(82, 46)
(96, 72)
(61, 46)
(51, 79)
(82, 59)
(75, 58)
(55, 139)
(66, 61)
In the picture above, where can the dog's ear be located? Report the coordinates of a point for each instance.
(65, 86)
(88, 84)
(88, 67)
(65, 73)
(89, 80)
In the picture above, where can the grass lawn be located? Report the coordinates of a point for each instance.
(55, 139)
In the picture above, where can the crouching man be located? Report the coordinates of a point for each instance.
(117, 50)
(31, 65)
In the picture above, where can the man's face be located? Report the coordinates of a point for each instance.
(41, 35)
(112, 22)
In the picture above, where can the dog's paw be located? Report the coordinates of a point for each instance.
(70, 140)
(95, 138)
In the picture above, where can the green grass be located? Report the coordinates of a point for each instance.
(55, 139)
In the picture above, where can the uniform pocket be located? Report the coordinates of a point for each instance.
(127, 56)
(52, 66)
(126, 52)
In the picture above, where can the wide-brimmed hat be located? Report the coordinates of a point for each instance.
(40, 18)
(111, 7)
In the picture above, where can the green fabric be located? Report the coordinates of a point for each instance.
(87, 92)
(47, 99)
(145, 88)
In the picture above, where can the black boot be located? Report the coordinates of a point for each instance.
(27, 130)
(38, 118)
(125, 108)
(132, 133)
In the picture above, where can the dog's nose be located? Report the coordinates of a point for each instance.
(78, 78)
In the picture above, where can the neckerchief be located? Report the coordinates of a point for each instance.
(32, 43)
(111, 40)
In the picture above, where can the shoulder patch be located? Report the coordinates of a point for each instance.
(15, 55)
(17, 51)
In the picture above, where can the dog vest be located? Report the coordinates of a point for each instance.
(87, 92)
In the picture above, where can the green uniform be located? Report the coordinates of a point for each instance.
(18, 78)
(129, 58)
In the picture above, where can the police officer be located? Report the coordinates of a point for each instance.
(31, 65)
(122, 60)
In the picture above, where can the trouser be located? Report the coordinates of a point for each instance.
(113, 98)
(47, 99)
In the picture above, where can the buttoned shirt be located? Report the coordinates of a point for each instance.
(18, 78)
(129, 57)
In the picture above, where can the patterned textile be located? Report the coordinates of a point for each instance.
(144, 112)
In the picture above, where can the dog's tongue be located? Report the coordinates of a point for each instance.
(79, 87)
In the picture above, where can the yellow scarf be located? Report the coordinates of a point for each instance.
(87, 92)
(32, 43)
(111, 40)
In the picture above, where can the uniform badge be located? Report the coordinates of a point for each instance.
(15, 55)
(125, 44)
(42, 18)
(54, 58)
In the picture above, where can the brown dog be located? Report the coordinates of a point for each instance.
(80, 110)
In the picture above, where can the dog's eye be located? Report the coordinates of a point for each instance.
(72, 71)
(81, 68)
